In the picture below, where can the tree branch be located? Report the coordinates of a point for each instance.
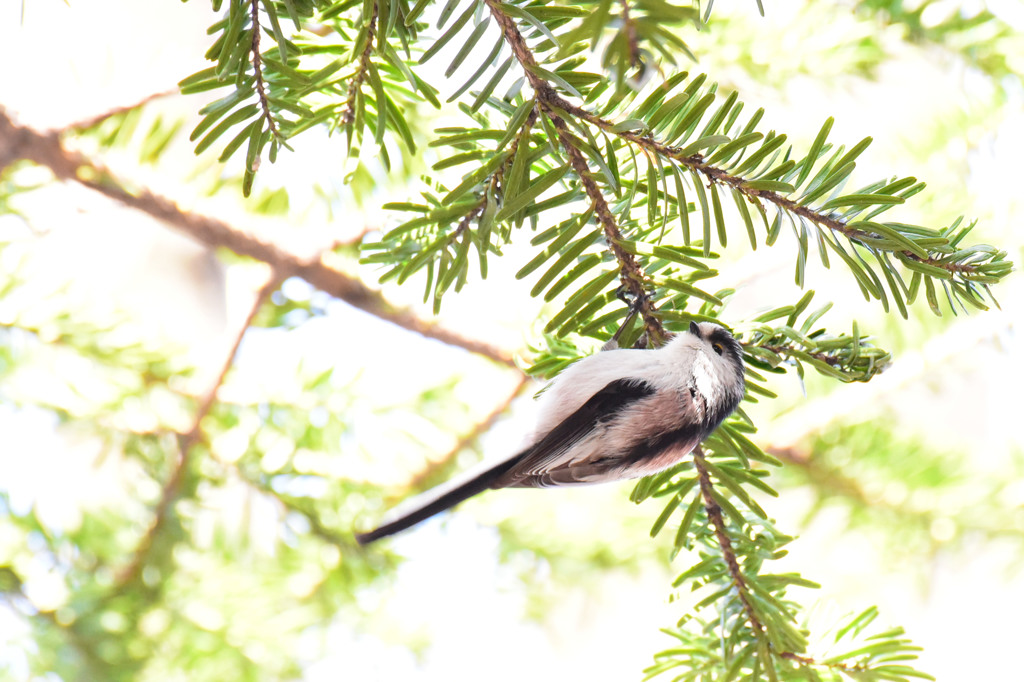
(172, 489)
(631, 275)
(94, 121)
(714, 512)
(301, 506)
(348, 113)
(46, 149)
(716, 175)
(788, 352)
(808, 662)
(257, 68)
(494, 181)
(426, 476)
(796, 426)
(78, 637)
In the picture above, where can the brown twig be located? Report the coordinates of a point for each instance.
(94, 121)
(302, 507)
(172, 489)
(495, 180)
(46, 149)
(809, 662)
(914, 366)
(348, 112)
(716, 175)
(257, 68)
(631, 274)
(832, 481)
(714, 512)
(817, 355)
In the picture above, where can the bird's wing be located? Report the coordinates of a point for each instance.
(552, 460)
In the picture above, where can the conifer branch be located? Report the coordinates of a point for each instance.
(809, 662)
(714, 512)
(348, 112)
(715, 175)
(631, 275)
(739, 581)
(495, 181)
(755, 633)
(257, 68)
(787, 351)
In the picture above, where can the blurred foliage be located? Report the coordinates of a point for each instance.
(848, 40)
(225, 546)
(837, 46)
(981, 38)
(928, 498)
(141, 595)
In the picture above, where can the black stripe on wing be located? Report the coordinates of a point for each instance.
(675, 443)
(533, 463)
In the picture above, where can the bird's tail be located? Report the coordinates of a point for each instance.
(437, 500)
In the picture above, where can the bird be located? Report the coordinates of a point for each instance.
(615, 415)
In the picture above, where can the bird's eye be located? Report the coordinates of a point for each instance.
(717, 347)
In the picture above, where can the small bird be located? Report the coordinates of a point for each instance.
(612, 416)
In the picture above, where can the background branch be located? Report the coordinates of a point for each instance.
(172, 489)
(93, 121)
(47, 150)
(433, 470)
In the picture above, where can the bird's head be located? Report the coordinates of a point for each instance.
(717, 364)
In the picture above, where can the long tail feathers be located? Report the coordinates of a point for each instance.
(438, 500)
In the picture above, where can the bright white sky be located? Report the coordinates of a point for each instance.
(97, 57)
